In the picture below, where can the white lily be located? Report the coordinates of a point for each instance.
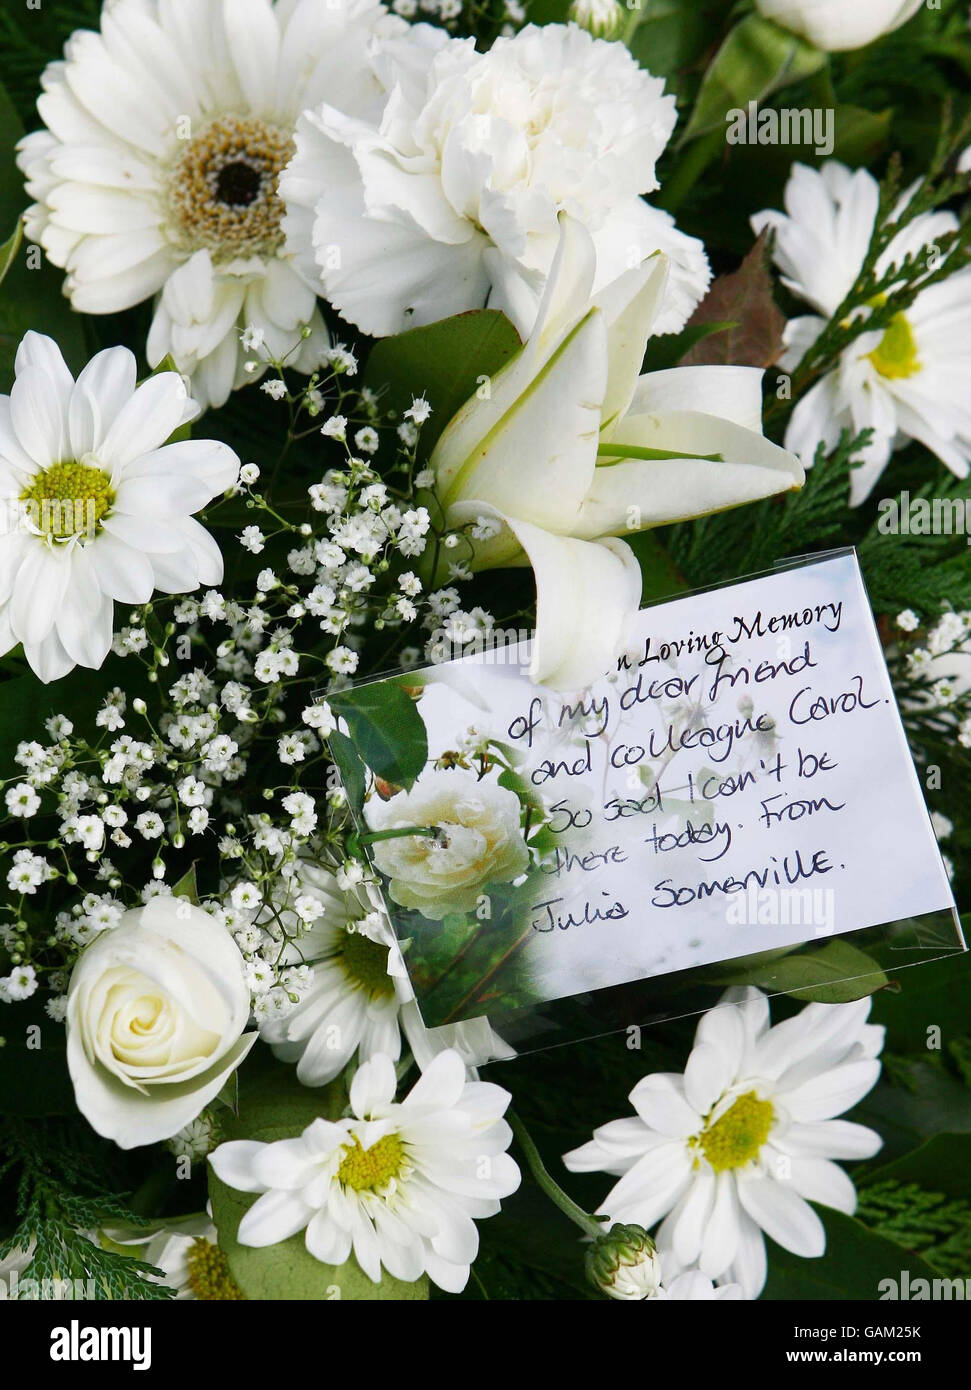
(573, 449)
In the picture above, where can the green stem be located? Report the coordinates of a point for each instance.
(634, 451)
(372, 836)
(589, 1225)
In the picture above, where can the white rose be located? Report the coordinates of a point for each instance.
(155, 1016)
(835, 25)
(447, 199)
(481, 842)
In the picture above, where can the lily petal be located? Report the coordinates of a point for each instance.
(538, 461)
(733, 393)
(569, 285)
(636, 494)
(586, 596)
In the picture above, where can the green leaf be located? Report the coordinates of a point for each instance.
(278, 1107)
(930, 1103)
(836, 974)
(756, 59)
(386, 729)
(34, 1078)
(349, 766)
(852, 1269)
(446, 362)
(671, 35)
(941, 1164)
(934, 995)
(186, 886)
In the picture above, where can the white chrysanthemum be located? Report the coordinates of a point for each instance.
(744, 1140)
(156, 174)
(905, 382)
(94, 505)
(447, 197)
(399, 1184)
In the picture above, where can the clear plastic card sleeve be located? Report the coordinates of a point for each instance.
(734, 804)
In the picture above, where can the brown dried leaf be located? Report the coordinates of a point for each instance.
(745, 298)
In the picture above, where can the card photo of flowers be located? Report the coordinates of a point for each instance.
(333, 331)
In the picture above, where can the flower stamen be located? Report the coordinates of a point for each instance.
(67, 500)
(737, 1136)
(369, 1170)
(223, 194)
(365, 963)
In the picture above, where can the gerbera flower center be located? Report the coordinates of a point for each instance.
(209, 1276)
(67, 500)
(366, 1170)
(223, 193)
(737, 1137)
(365, 963)
(895, 356)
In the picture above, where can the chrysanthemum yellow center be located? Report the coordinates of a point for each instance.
(365, 963)
(223, 193)
(737, 1136)
(895, 356)
(68, 499)
(366, 1170)
(209, 1276)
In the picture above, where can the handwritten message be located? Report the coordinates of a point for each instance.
(739, 783)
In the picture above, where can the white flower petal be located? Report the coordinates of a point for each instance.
(783, 1215)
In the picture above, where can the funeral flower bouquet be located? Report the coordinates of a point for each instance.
(336, 340)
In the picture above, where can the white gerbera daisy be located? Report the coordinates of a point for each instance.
(397, 1183)
(166, 132)
(743, 1141)
(359, 999)
(907, 381)
(94, 505)
(446, 196)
